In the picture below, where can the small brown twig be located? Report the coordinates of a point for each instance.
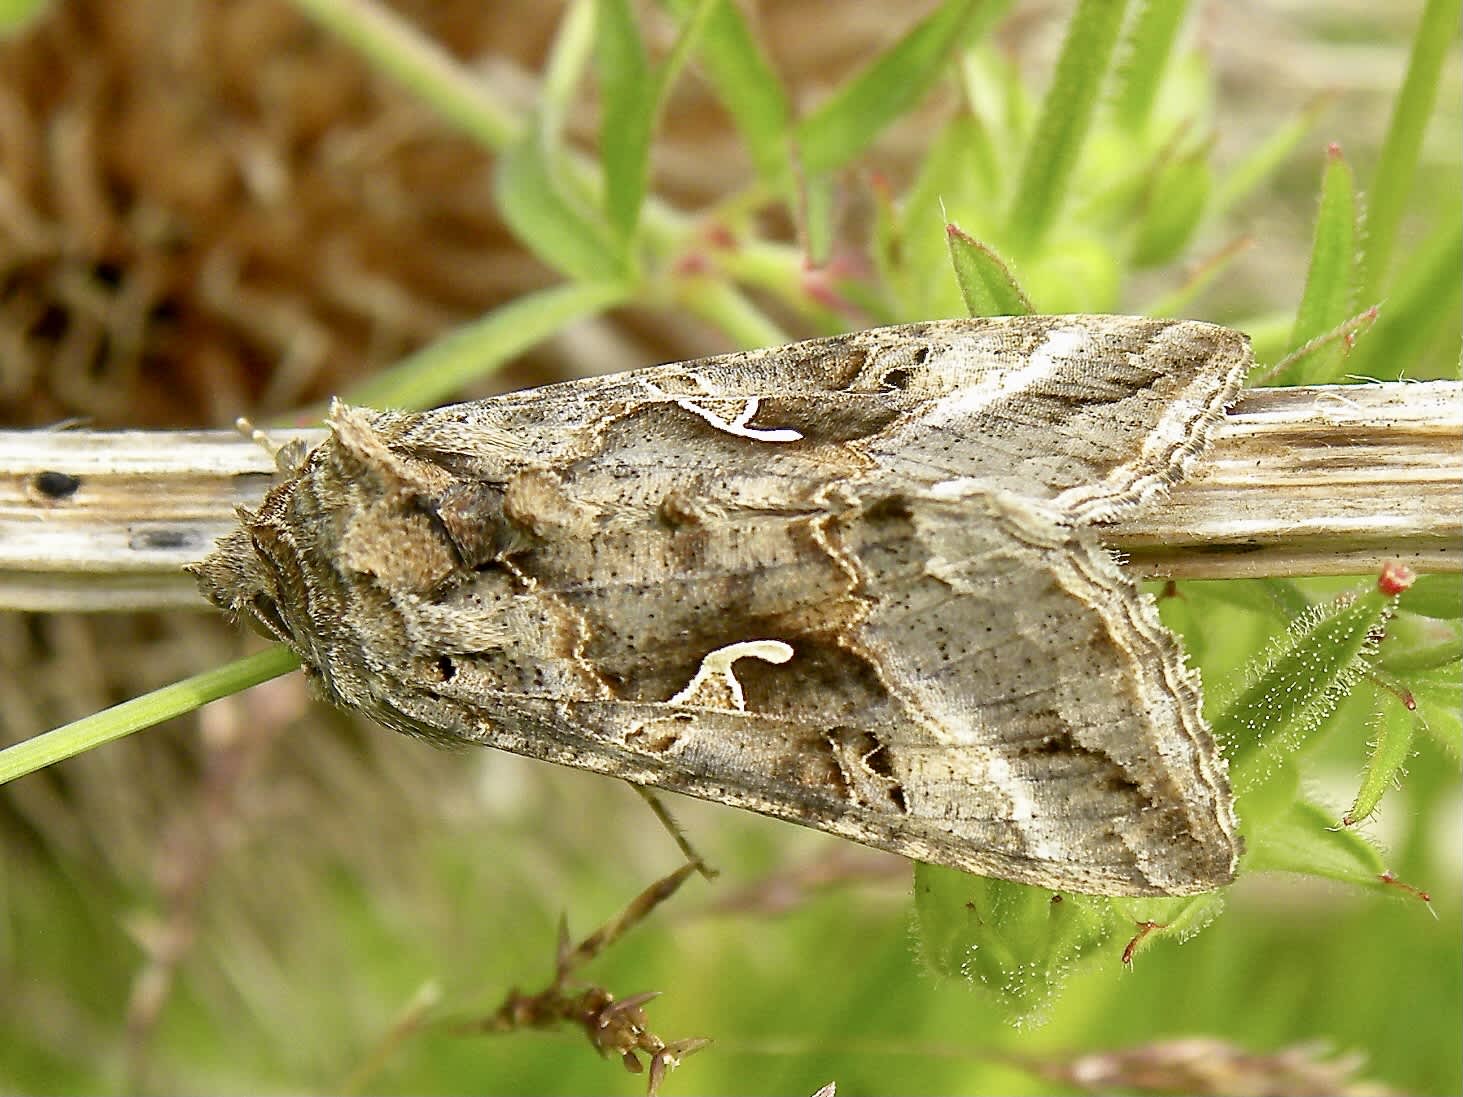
(614, 1027)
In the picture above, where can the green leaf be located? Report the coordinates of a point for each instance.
(1422, 308)
(988, 85)
(634, 94)
(1305, 839)
(474, 350)
(548, 220)
(628, 90)
(1330, 286)
(1416, 643)
(143, 712)
(1391, 746)
(986, 282)
(1437, 37)
(1438, 695)
(848, 121)
(1016, 941)
(888, 244)
(1435, 595)
(1275, 599)
(749, 88)
(1149, 46)
(1298, 683)
(1172, 207)
(1066, 116)
(817, 210)
(569, 57)
(1269, 799)
(1168, 919)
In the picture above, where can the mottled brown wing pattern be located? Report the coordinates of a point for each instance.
(851, 583)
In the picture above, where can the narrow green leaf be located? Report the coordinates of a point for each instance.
(1437, 37)
(816, 216)
(547, 220)
(1066, 116)
(628, 90)
(986, 83)
(634, 93)
(749, 88)
(1172, 207)
(143, 712)
(723, 305)
(1149, 47)
(473, 351)
(1391, 746)
(1306, 839)
(1015, 941)
(1421, 310)
(986, 282)
(1299, 682)
(849, 120)
(1330, 287)
(569, 58)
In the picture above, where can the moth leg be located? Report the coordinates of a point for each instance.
(615, 1027)
(673, 828)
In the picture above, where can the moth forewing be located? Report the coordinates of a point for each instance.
(853, 583)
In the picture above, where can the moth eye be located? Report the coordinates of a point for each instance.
(446, 667)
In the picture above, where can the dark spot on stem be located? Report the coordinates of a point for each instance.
(56, 485)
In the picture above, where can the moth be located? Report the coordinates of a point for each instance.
(854, 583)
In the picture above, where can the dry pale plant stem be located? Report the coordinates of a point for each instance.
(1326, 480)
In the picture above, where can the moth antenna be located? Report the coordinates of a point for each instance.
(288, 457)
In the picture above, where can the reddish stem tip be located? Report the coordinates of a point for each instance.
(1395, 578)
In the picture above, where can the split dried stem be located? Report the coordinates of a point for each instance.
(1324, 480)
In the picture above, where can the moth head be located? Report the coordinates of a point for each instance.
(236, 580)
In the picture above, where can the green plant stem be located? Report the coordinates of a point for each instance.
(393, 46)
(1066, 117)
(470, 352)
(143, 712)
(726, 307)
(564, 67)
